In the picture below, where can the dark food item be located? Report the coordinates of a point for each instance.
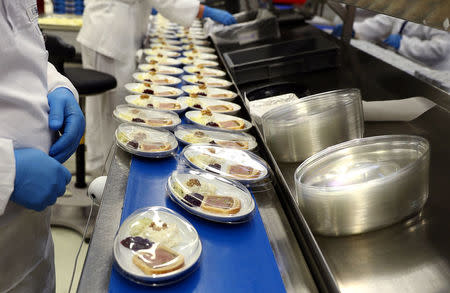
(215, 166)
(194, 200)
(148, 91)
(199, 134)
(134, 144)
(152, 70)
(198, 106)
(150, 105)
(202, 94)
(200, 82)
(143, 97)
(193, 182)
(148, 79)
(136, 243)
(213, 124)
(139, 120)
(212, 142)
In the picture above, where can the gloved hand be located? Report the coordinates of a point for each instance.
(154, 11)
(40, 179)
(218, 15)
(337, 31)
(65, 115)
(393, 41)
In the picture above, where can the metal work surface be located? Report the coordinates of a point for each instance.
(412, 256)
(98, 264)
(435, 13)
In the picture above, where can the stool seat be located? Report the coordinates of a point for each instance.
(90, 82)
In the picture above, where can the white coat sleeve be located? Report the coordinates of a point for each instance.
(376, 28)
(430, 51)
(56, 80)
(183, 12)
(7, 172)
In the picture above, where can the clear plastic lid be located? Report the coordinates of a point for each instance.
(146, 142)
(161, 53)
(155, 90)
(156, 246)
(200, 55)
(217, 121)
(199, 79)
(362, 161)
(198, 62)
(158, 103)
(152, 60)
(205, 71)
(168, 47)
(156, 79)
(216, 106)
(163, 36)
(160, 69)
(146, 117)
(323, 104)
(201, 49)
(201, 91)
(210, 197)
(164, 41)
(230, 163)
(364, 184)
(192, 134)
(195, 42)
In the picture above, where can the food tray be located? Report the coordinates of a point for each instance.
(214, 105)
(217, 121)
(233, 164)
(173, 235)
(193, 134)
(158, 103)
(191, 190)
(141, 141)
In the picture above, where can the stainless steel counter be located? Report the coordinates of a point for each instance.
(414, 255)
(97, 268)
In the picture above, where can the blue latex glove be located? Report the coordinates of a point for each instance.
(337, 31)
(393, 41)
(218, 15)
(40, 179)
(154, 11)
(65, 115)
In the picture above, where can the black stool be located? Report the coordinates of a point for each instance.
(86, 81)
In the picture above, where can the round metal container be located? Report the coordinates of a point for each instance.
(363, 184)
(297, 130)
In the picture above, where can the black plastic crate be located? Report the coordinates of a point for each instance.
(274, 60)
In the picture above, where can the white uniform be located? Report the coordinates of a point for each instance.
(424, 44)
(112, 32)
(26, 246)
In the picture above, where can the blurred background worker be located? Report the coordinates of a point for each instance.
(112, 32)
(426, 45)
(35, 102)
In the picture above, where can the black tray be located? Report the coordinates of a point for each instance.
(276, 89)
(274, 60)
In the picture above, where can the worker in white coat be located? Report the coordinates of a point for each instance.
(112, 32)
(35, 103)
(424, 44)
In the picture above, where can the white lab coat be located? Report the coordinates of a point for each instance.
(429, 46)
(26, 246)
(112, 32)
